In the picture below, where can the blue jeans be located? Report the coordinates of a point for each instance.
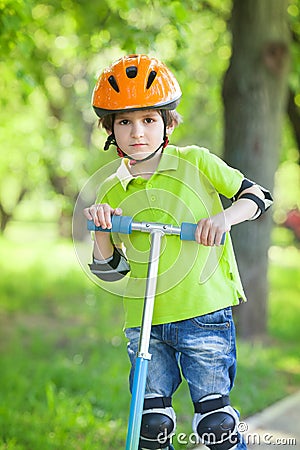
(202, 347)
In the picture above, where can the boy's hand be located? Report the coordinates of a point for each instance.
(101, 214)
(210, 230)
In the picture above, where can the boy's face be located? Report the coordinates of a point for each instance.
(139, 133)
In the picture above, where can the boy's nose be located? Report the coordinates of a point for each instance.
(137, 129)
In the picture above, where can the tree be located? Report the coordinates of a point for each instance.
(293, 109)
(255, 96)
(49, 54)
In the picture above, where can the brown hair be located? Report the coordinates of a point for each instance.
(173, 118)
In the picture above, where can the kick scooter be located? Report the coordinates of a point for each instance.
(125, 224)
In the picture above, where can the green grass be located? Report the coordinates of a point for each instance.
(64, 367)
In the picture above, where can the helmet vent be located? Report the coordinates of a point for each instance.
(131, 71)
(151, 78)
(112, 81)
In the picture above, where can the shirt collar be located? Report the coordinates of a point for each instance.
(123, 173)
(169, 161)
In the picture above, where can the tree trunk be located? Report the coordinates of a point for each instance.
(294, 115)
(6, 216)
(254, 95)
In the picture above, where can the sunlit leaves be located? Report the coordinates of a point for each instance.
(294, 19)
(52, 52)
(14, 15)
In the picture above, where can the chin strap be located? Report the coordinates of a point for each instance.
(133, 161)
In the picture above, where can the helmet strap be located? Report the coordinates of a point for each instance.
(135, 161)
(111, 140)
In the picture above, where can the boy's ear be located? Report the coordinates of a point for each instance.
(170, 129)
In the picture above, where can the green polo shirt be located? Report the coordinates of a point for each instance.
(193, 280)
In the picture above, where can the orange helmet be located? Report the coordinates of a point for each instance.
(135, 82)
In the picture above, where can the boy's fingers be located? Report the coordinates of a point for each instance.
(218, 238)
(101, 214)
(97, 215)
(200, 232)
(204, 232)
(107, 217)
(210, 240)
(87, 213)
(207, 234)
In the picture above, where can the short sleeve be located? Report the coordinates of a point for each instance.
(225, 179)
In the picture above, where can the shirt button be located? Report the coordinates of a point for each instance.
(153, 198)
(149, 185)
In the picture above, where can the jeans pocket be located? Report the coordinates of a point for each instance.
(216, 321)
(132, 333)
(214, 330)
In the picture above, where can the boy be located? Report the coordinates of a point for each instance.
(192, 332)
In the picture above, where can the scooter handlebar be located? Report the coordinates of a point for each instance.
(123, 224)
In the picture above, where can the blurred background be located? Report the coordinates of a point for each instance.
(63, 361)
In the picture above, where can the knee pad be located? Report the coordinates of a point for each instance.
(216, 422)
(158, 423)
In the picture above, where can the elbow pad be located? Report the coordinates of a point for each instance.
(111, 269)
(263, 204)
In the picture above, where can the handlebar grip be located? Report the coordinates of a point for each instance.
(187, 232)
(120, 224)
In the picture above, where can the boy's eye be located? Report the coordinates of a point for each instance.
(127, 121)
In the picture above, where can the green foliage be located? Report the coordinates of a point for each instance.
(55, 52)
(52, 53)
(294, 20)
(285, 275)
(14, 15)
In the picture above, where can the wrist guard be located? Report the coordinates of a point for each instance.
(111, 269)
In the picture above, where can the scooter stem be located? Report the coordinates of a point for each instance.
(156, 236)
(143, 356)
